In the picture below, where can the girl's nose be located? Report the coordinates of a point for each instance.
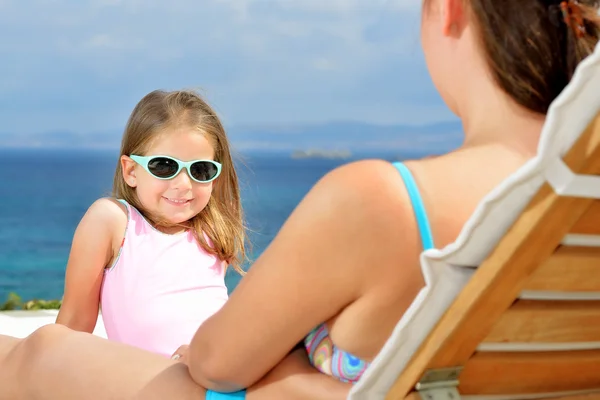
(182, 181)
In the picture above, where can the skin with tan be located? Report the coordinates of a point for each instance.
(347, 256)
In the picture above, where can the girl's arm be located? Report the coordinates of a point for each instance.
(91, 251)
(333, 248)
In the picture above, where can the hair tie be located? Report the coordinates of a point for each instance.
(573, 17)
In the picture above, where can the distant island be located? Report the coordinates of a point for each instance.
(299, 140)
(318, 153)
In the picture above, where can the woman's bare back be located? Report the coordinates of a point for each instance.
(451, 187)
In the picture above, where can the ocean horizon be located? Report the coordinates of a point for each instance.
(47, 191)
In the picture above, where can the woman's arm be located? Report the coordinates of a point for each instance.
(326, 256)
(295, 379)
(91, 251)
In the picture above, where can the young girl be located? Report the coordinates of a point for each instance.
(154, 257)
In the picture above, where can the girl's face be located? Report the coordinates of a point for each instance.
(180, 198)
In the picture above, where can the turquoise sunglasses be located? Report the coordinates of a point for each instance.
(165, 167)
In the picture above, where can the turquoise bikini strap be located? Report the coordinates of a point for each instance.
(211, 395)
(417, 204)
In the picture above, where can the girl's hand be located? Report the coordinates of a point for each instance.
(181, 354)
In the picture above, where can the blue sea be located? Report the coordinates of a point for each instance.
(44, 194)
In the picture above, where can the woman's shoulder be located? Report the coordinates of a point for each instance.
(371, 184)
(360, 177)
(449, 188)
(367, 196)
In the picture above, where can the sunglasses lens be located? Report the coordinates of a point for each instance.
(203, 170)
(162, 167)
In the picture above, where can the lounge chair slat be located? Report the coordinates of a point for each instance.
(588, 223)
(529, 321)
(590, 396)
(535, 372)
(569, 269)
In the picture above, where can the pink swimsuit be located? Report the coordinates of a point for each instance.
(160, 289)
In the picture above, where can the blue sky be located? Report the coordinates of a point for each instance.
(81, 65)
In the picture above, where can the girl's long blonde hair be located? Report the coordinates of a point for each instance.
(222, 220)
